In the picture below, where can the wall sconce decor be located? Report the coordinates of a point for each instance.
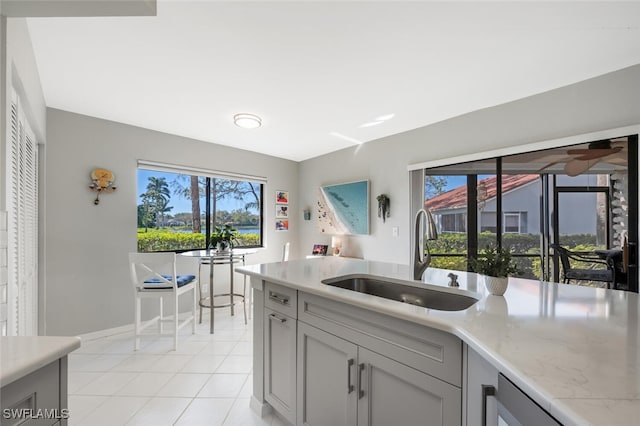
(383, 206)
(102, 181)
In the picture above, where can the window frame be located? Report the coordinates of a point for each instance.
(210, 175)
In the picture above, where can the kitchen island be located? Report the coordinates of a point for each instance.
(33, 379)
(574, 350)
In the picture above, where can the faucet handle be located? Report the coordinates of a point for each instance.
(453, 280)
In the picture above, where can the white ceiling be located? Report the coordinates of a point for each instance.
(316, 70)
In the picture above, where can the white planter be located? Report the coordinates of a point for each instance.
(496, 285)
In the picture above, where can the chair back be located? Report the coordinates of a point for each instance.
(563, 254)
(152, 266)
(285, 252)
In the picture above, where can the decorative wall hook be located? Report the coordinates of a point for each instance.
(384, 206)
(102, 182)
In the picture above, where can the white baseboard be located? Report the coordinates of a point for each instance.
(260, 408)
(118, 330)
(106, 333)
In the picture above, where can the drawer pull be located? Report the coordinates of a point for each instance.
(283, 300)
(277, 318)
(360, 391)
(350, 386)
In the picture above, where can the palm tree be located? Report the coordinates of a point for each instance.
(157, 197)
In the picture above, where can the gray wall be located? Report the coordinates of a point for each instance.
(86, 246)
(601, 103)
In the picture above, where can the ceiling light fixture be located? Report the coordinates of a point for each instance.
(247, 121)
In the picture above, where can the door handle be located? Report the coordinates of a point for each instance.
(350, 386)
(487, 390)
(283, 300)
(277, 318)
(360, 390)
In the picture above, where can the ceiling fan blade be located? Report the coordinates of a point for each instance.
(546, 167)
(591, 154)
(575, 167)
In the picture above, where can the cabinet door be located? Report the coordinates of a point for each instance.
(280, 363)
(327, 378)
(391, 393)
(479, 373)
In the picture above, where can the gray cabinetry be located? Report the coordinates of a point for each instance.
(478, 373)
(40, 397)
(280, 363)
(280, 351)
(327, 378)
(358, 372)
(390, 393)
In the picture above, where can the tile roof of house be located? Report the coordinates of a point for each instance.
(457, 197)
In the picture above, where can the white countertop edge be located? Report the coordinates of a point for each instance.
(33, 352)
(545, 400)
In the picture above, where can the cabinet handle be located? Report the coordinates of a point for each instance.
(350, 386)
(487, 390)
(277, 318)
(283, 300)
(360, 391)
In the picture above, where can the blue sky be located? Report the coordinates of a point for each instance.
(180, 204)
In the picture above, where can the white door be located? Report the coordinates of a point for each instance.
(22, 202)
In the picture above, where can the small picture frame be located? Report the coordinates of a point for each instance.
(282, 225)
(319, 250)
(282, 211)
(282, 197)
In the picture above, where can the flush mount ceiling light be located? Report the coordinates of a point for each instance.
(247, 121)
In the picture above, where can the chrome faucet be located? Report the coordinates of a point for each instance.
(453, 280)
(420, 260)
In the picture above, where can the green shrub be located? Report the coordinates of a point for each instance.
(456, 243)
(168, 240)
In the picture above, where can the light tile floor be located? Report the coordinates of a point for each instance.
(207, 381)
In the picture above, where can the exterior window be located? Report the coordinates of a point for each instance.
(488, 222)
(453, 222)
(515, 222)
(178, 212)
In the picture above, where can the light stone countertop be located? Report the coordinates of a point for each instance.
(575, 350)
(21, 355)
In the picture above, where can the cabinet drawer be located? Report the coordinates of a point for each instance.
(434, 352)
(36, 391)
(281, 299)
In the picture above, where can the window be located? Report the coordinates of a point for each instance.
(515, 222)
(179, 208)
(453, 222)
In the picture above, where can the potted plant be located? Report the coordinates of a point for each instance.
(224, 237)
(496, 264)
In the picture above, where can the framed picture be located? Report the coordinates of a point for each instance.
(282, 225)
(319, 249)
(282, 211)
(282, 197)
(344, 208)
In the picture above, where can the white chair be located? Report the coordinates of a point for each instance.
(152, 277)
(285, 257)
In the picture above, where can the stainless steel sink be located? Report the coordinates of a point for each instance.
(427, 298)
